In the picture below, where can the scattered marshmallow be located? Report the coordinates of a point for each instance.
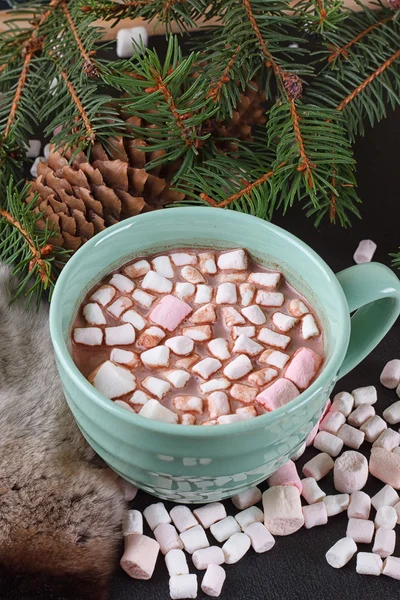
(373, 428)
(220, 383)
(143, 298)
(33, 148)
(351, 437)
(247, 498)
(385, 465)
(219, 348)
(183, 586)
(218, 404)
(311, 491)
(176, 563)
(150, 338)
(140, 556)
(385, 542)
(260, 537)
(319, 466)
(387, 496)
(194, 538)
(156, 514)
(120, 305)
(277, 340)
(392, 413)
(262, 376)
(201, 333)
(181, 345)
(236, 547)
(314, 515)
(360, 530)
(178, 378)
(112, 381)
(132, 522)
(364, 251)
(88, 336)
(247, 292)
(135, 319)
(243, 393)
(269, 298)
(332, 422)
(156, 411)
(183, 518)
(386, 516)
(168, 538)
(122, 283)
(103, 295)
(226, 294)
(154, 282)
(188, 404)
(156, 357)
(360, 415)
(162, 265)
(248, 516)
(124, 357)
(297, 308)
(203, 294)
(267, 280)
(299, 452)
(341, 553)
(390, 376)
(326, 442)
(309, 328)
(180, 259)
(275, 358)
(248, 330)
(169, 312)
(127, 38)
(283, 322)
(213, 581)
(213, 555)
(192, 275)
(184, 291)
(93, 314)
(207, 263)
(368, 564)
(238, 368)
(140, 397)
(336, 504)
(205, 314)
(365, 395)
(343, 402)
(389, 439)
(286, 475)
(391, 567)
(254, 314)
(360, 506)
(282, 510)
(245, 345)
(277, 394)
(224, 529)
(303, 367)
(350, 472)
(206, 367)
(233, 261)
(208, 514)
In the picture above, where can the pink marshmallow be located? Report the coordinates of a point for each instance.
(303, 367)
(391, 567)
(315, 514)
(286, 475)
(140, 556)
(385, 465)
(277, 394)
(360, 530)
(313, 433)
(169, 312)
(385, 542)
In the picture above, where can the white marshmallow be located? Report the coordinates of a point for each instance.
(208, 514)
(180, 259)
(248, 330)
(156, 357)
(176, 563)
(226, 294)
(364, 395)
(93, 314)
(247, 291)
(392, 413)
(282, 509)
(245, 345)
(326, 442)
(314, 515)
(368, 564)
(319, 466)
(343, 402)
(157, 387)
(398, 390)
(187, 419)
(231, 316)
(236, 547)
(269, 298)
(162, 265)
(188, 404)
(297, 308)
(260, 537)
(364, 251)
(143, 298)
(132, 522)
(236, 418)
(332, 422)
(103, 295)
(133, 317)
(309, 328)
(373, 428)
(205, 314)
(360, 530)
(192, 275)
(232, 277)
(390, 376)
(140, 397)
(89, 336)
(389, 439)
(150, 338)
(182, 345)
(275, 358)
(254, 314)
(194, 538)
(351, 437)
(391, 567)
(124, 405)
(360, 415)
(119, 335)
(213, 385)
(154, 282)
(222, 530)
(178, 378)
(201, 333)
(299, 452)
(350, 472)
(336, 504)
(274, 339)
(386, 516)
(219, 348)
(156, 514)
(206, 367)
(124, 357)
(184, 290)
(122, 283)
(341, 553)
(156, 411)
(239, 367)
(360, 506)
(168, 538)
(218, 404)
(119, 306)
(137, 269)
(396, 451)
(283, 322)
(212, 555)
(183, 586)
(207, 263)
(311, 491)
(34, 168)
(387, 496)
(112, 381)
(233, 261)
(267, 280)
(244, 393)
(385, 542)
(213, 581)
(262, 376)
(127, 40)
(33, 148)
(203, 294)
(183, 518)
(248, 516)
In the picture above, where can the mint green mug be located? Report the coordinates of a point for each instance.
(202, 464)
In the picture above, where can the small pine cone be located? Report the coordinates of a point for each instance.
(293, 85)
(90, 69)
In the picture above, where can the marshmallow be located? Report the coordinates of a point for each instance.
(351, 437)
(188, 404)
(200, 333)
(286, 475)
(124, 357)
(183, 518)
(392, 413)
(112, 381)
(133, 317)
(275, 358)
(277, 394)
(350, 472)
(390, 376)
(203, 294)
(130, 490)
(341, 553)
(391, 567)
(360, 530)
(187, 419)
(187, 362)
(213, 581)
(373, 428)
(184, 290)
(219, 348)
(207, 263)
(398, 390)
(192, 275)
(236, 547)
(319, 466)
(226, 294)
(343, 402)
(233, 261)
(262, 376)
(156, 357)
(140, 556)
(121, 334)
(360, 415)
(282, 509)
(269, 298)
(212, 555)
(89, 336)
(297, 308)
(364, 395)
(137, 269)
(167, 536)
(364, 252)
(254, 314)
(260, 537)
(309, 328)
(238, 368)
(248, 516)
(140, 397)
(203, 315)
(326, 442)
(150, 338)
(176, 563)
(218, 404)
(222, 530)
(336, 504)
(162, 265)
(124, 405)
(93, 314)
(246, 412)
(233, 277)
(180, 259)
(213, 385)
(247, 292)
(248, 330)
(332, 422)
(283, 322)
(387, 496)
(182, 345)
(170, 312)
(389, 439)
(143, 298)
(311, 436)
(243, 393)
(231, 316)
(311, 491)
(156, 411)
(360, 506)
(178, 378)
(183, 586)
(245, 345)
(277, 340)
(385, 542)
(314, 515)
(247, 498)
(396, 450)
(132, 522)
(368, 564)
(122, 283)
(194, 538)
(103, 295)
(130, 41)
(156, 514)
(208, 514)
(33, 148)
(299, 452)
(267, 280)
(154, 282)
(206, 367)
(303, 367)
(386, 516)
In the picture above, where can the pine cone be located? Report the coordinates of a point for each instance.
(249, 111)
(83, 198)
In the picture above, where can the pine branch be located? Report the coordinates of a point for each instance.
(319, 16)
(215, 90)
(89, 67)
(90, 134)
(336, 52)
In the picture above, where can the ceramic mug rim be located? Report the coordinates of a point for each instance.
(178, 430)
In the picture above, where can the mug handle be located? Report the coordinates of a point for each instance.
(373, 290)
